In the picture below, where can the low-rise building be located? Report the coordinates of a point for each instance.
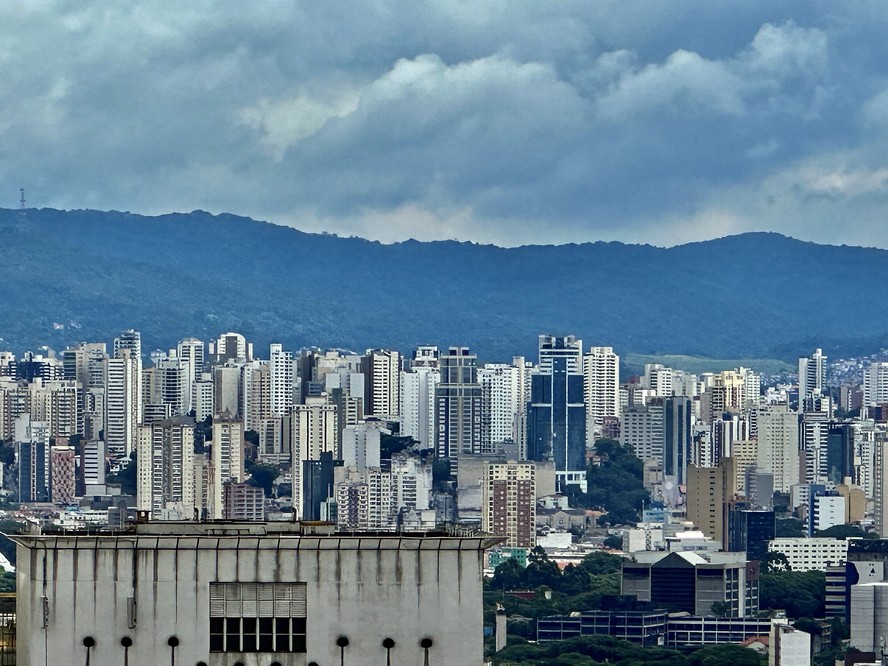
(700, 583)
(811, 554)
(652, 627)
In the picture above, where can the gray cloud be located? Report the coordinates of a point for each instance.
(506, 122)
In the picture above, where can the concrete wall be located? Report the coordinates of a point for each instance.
(367, 589)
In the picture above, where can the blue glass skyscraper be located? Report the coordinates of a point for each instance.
(556, 413)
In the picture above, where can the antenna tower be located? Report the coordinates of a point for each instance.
(22, 200)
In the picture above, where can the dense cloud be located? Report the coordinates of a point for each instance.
(505, 122)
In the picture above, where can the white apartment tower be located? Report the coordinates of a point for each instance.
(282, 379)
(417, 408)
(255, 394)
(191, 351)
(501, 403)
(601, 385)
(658, 379)
(231, 347)
(812, 376)
(880, 483)
(123, 401)
(382, 374)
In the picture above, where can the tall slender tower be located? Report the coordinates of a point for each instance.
(812, 377)
(382, 375)
(458, 405)
(556, 416)
(601, 386)
(282, 378)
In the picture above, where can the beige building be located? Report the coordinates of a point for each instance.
(249, 593)
(710, 490)
(778, 445)
(228, 458)
(745, 455)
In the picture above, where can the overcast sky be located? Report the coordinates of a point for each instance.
(499, 122)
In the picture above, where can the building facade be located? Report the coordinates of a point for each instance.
(249, 593)
(509, 502)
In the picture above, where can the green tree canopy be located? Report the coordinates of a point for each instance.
(262, 475)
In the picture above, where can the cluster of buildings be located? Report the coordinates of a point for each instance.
(192, 416)
(509, 433)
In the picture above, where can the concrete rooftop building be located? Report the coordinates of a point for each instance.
(249, 593)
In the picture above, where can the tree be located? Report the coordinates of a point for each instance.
(262, 476)
(789, 527)
(599, 563)
(721, 609)
(541, 570)
(845, 532)
(127, 476)
(508, 576)
(799, 593)
(614, 542)
(616, 485)
(726, 655)
(774, 561)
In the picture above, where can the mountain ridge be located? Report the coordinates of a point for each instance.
(201, 274)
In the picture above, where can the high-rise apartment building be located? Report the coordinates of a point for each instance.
(168, 383)
(556, 414)
(710, 490)
(643, 430)
(658, 379)
(778, 445)
(501, 402)
(875, 384)
(382, 377)
(63, 474)
(880, 484)
(812, 376)
(33, 459)
(601, 387)
(458, 406)
(165, 474)
(417, 408)
(123, 400)
(509, 502)
(58, 403)
(282, 375)
(310, 430)
(228, 458)
(191, 352)
(84, 363)
(231, 347)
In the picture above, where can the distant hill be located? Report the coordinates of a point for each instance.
(85, 275)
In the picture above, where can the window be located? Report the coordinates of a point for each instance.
(257, 617)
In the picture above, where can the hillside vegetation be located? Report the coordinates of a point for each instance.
(741, 297)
